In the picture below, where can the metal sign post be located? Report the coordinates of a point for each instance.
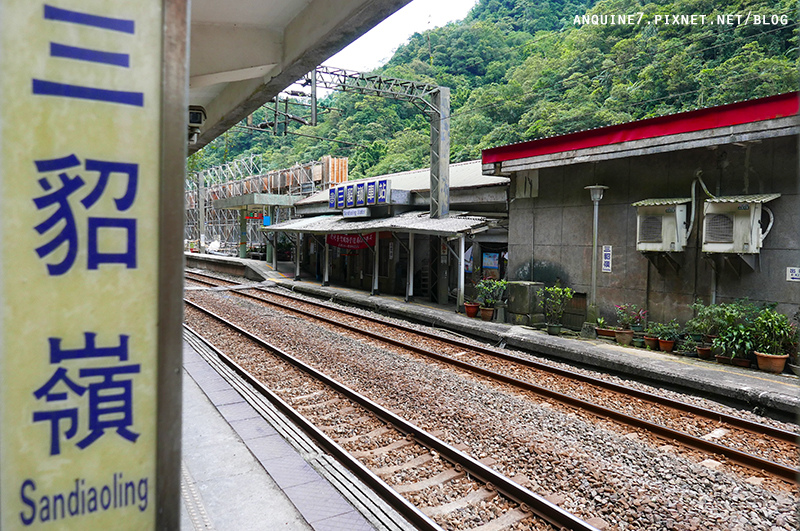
(92, 158)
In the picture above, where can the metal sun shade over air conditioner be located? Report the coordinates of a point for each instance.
(733, 224)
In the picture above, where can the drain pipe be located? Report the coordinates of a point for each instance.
(699, 177)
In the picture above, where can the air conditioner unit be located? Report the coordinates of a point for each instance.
(733, 224)
(661, 225)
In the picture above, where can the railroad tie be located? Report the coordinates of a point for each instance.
(507, 520)
(417, 461)
(401, 443)
(303, 398)
(318, 405)
(438, 479)
(472, 498)
(383, 430)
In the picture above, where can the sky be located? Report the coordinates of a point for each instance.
(377, 46)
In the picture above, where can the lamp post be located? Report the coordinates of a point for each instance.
(596, 192)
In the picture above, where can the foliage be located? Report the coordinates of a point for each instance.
(523, 69)
(688, 345)
(601, 323)
(630, 314)
(554, 300)
(716, 318)
(653, 329)
(737, 341)
(774, 333)
(490, 291)
(670, 331)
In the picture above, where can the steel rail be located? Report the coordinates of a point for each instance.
(395, 500)
(754, 427)
(742, 458)
(529, 500)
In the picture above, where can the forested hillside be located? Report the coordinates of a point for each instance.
(524, 69)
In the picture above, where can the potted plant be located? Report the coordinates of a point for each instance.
(776, 338)
(639, 318)
(687, 347)
(490, 291)
(668, 334)
(703, 352)
(554, 300)
(602, 329)
(471, 308)
(696, 329)
(628, 315)
(737, 343)
(651, 335)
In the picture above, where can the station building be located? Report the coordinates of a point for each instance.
(698, 205)
(385, 241)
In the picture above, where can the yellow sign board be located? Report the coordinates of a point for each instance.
(80, 148)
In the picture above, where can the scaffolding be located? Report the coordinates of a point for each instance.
(247, 176)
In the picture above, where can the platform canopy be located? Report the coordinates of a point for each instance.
(413, 222)
(244, 52)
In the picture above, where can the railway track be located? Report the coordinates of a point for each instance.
(666, 419)
(383, 449)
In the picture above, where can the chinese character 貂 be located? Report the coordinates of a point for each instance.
(64, 216)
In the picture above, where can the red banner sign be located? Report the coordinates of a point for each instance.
(351, 241)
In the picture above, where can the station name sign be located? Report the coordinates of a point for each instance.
(360, 194)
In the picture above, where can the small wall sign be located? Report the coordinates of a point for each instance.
(606, 259)
(793, 274)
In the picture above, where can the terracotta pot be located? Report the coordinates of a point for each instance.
(771, 362)
(624, 337)
(725, 360)
(487, 313)
(704, 353)
(605, 332)
(666, 345)
(740, 362)
(554, 330)
(651, 342)
(471, 308)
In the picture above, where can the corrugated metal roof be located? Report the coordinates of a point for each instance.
(462, 175)
(662, 202)
(416, 222)
(757, 198)
(749, 111)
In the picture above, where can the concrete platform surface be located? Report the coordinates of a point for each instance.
(239, 473)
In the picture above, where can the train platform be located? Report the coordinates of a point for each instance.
(245, 466)
(773, 394)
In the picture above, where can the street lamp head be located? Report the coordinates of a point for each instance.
(596, 190)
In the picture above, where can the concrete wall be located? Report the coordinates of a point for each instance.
(550, 236)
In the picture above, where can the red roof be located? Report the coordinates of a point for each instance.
(686, 122)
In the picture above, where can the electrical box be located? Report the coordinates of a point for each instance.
(733, 224)
(662, 225)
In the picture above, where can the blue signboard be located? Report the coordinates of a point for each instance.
(332, 198)
(383, 192)
(340, 197)
(350, 196)
(361, 195)
(371, 193)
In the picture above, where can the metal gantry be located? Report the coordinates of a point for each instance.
(431, 99)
